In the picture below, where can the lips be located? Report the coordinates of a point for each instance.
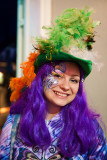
(61, 94)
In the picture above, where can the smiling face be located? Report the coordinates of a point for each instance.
(61, 86)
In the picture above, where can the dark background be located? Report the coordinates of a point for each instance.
(8, 31)
(8, 22)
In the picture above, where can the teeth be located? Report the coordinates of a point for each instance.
(60, 94)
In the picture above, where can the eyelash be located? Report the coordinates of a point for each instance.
(57, 75)
(74, 81)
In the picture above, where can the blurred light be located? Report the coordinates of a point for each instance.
(4, 110)
(1, 78)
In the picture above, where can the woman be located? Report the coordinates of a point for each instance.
(49, 118)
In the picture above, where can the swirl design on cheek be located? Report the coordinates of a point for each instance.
(49, 82)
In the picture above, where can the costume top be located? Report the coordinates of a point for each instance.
(22, 152)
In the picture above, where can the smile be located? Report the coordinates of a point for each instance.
(61, 94)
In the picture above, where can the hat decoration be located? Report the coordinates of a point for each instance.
(71, 38)
(74, 28)
(19, 84)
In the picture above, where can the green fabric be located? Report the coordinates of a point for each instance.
(86, 65)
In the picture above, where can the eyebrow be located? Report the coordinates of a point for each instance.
(75, 76)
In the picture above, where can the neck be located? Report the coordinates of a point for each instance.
(52, 110)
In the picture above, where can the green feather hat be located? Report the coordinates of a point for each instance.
(70, 39)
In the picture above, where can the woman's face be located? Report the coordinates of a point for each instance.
(61, 86)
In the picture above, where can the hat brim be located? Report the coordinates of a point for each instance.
(86, 65)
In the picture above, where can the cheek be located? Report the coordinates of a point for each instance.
(75, 88)
(48, 94)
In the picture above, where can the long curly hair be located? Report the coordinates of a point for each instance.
(77, 118)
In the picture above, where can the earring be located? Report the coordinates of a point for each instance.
(82, 80)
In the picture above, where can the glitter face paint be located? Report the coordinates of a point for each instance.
(50, 80)
(61, 68)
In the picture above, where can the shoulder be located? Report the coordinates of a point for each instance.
(6, 130)
(99, 131)
(8, 125)
(100, 149)
(9, 120)
(5, 138)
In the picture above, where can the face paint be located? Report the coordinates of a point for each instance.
(61, 68)
(49, 82)
(57, 73)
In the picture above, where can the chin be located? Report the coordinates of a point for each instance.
(61, 104)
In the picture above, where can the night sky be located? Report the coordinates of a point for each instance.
(8, 22)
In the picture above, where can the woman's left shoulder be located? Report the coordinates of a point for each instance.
(99, 151)
(99, 131)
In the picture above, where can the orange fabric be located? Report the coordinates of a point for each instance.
(17, 84)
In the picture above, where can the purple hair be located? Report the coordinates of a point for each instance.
(77, 119)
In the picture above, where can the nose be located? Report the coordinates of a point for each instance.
(65, 86)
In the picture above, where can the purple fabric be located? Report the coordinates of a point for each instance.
(21, 151)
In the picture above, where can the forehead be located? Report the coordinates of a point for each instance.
(70, 68)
